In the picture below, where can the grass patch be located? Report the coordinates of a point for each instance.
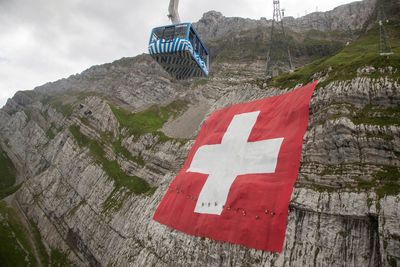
(150, 120)
(372, 115)
(83, 95)
(114, 201)
(332, 170)
(7, 176)
(134, 184)
(9, 190)
(377, 116)
(384, 136)
(74, 209)
(59, 259)
(15, 249)
(57, 104)
(7, 170)
(322, 188)
(81, 139)
(200, 82)
(386, 182)
(50, 133)
(65, 109)
(344, 65)
(44, 257)
(121, 150)
(28, 113)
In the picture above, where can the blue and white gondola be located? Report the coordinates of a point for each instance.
(179, 50)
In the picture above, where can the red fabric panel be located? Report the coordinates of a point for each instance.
(256, 211)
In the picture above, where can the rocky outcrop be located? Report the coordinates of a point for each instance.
(138, 83)
(96, 112)
(353, 16)
(348, 17)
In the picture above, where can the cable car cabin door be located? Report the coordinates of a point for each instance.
(182, 57)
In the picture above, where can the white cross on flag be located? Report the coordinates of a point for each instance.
(236, 183)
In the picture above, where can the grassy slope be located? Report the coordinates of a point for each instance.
(7, 176)
(344, 65)
(135, 184)
(385, 183)
(150, 120)
(7, 171)
(57, 104)
(15, 249)
(59, 259)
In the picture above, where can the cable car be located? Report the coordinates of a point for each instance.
(179, 50)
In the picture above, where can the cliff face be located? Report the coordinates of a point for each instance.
(353, 16)
(94, 173)
(316, 35)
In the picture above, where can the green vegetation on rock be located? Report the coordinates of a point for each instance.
(74, 209)
(7, 176)
(59, 259)
(121, 150)
(57, 104)
(150, 120)
(386, 182)
(200, 82)
(378, 116)
(332, 170)
(135, 184)
(41, 249)
(15, 249)
(114, 201)
(384, 136)
(7, 171)
(343, 66)
(372, 115)
(50, 134)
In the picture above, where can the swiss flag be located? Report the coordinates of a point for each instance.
(236, 183)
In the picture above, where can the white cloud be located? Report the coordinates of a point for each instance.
(45, 40)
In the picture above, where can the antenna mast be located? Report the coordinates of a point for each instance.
(384, 45)
(278, 52)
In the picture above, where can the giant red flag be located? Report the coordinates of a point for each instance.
(236, 183)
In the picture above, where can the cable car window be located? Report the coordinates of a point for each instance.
(201, 52)
(195, 43)
(181, 31)
(191, 37)
(157, 33)
(169, 33)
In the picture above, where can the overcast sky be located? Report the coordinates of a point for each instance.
(45, 40)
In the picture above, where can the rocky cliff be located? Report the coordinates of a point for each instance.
(97, 151)
(353, 16)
